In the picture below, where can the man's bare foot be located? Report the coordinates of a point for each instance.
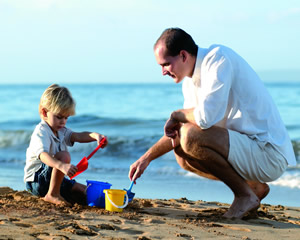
(58, 200)
(260, 189)
(242, 205)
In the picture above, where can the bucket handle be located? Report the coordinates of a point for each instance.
(123, 206)
(87, 187)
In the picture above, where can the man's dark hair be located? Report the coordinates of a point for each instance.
(176, 40)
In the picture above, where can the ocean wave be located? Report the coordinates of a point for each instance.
(128, 137)
(296, 147)
(292, 127)
(12, 161)
(18, 124)
(15, 133)
(86, 121)
(14, 138)
(104, 122)
(121, 147)
(118, 144)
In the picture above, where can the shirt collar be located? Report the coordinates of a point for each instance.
(50, 130)
(197, 71)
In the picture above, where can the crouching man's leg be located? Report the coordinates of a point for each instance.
(205, 152)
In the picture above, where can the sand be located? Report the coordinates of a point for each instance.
(23, 216)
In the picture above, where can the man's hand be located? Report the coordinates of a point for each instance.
(161, 147)
(171, 129)
(137, 169)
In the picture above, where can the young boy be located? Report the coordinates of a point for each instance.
(47, 157)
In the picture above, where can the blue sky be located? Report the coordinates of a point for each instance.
(80, 41)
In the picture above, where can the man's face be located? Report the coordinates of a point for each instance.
(172, 66)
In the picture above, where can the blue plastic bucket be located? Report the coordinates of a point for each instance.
(94, 193)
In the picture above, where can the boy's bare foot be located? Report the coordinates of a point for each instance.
(57, 200)
(242, 205)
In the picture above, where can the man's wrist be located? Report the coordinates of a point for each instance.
(173, 117)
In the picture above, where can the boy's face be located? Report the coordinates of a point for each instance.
(55, 121)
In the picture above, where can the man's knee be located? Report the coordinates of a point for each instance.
(190, 165)
(184, 159)
(63, 156)
(199, 142)
(187, 137)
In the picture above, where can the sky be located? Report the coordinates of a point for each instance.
(95, 41)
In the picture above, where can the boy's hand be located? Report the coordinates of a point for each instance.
(105, 142)
(68, 169)
(84, 137)
(98, 137)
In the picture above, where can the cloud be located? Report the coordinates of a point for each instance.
(30, 4)
(278, 16)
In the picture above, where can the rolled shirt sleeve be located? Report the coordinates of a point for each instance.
(216, 76)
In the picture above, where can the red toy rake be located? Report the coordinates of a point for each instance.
(83, 164)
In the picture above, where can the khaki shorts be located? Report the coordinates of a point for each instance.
(255, 160)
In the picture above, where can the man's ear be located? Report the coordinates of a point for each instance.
(183, 55)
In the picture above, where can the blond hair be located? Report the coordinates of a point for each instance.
(57, 100)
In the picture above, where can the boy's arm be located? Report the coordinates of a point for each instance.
(65, 168)
(84, 137)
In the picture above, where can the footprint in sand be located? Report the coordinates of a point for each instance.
(59, 237)
(46, 236)
(105, 226)
(14, 219)
(143, 238)
(78, 229)
(40, 235)
(25, 225)
(131, 231)
(17, 222)
(117, 221)
(151, 220)
(182, 235)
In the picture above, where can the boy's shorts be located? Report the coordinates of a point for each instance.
(255, 160)
(41, 183)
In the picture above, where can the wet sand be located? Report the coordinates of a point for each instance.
(23, 216)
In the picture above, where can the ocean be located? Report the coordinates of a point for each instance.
(132, 116)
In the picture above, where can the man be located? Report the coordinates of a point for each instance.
(229, 130)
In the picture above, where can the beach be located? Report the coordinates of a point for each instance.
(169, 203)
(23, 216)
